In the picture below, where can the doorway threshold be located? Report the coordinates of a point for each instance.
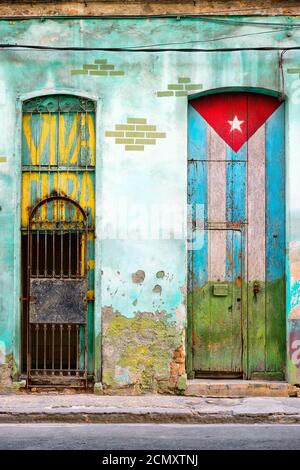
(230, 388)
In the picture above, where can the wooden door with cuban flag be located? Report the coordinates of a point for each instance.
(236, 191)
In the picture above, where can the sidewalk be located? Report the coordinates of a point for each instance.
(88, 408)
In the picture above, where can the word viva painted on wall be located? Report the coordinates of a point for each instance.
(65, 138)
(58, 157)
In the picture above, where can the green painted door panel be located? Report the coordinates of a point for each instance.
(217, 306)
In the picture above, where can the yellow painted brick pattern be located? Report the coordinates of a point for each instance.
(135, 134)
(183, 86)
(100, 67)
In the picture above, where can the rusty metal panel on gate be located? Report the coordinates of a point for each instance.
(58, 301)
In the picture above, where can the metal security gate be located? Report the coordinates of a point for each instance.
(58, 156)
(57, 288)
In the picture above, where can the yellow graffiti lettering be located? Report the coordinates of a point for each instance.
(79, 143)
(36, 186)
(52, 144)
(82, 259)
(70, 185)
(75, 131)
(90, 142)
(31, 197)
(65, 147)
(87, 199)
(44, 194)
(25, 204)
(36, 151)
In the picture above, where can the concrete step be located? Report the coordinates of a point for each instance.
(239, 388)
(91, 408)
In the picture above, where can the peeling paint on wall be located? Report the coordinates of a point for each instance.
(294, 252)
(143, 353)
(138, 277)
(6, 371)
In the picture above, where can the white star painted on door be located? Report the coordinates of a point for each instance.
(235, 124)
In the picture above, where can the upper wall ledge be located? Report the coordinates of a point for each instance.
(39, 8)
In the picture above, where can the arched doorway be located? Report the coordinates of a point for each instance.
(58, 162)
(236, 296)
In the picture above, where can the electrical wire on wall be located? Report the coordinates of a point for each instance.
(282, 51)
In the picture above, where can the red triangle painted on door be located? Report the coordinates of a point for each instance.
(236, 116)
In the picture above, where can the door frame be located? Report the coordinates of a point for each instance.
(245, 320)
(17, 162)
(244, 303)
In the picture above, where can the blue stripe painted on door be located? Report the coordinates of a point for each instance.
(236, 192)
(197, 200)
(275, 196)
(197, 135)
(197, 194)
(236, 254)
(236, 175)
(240, 155)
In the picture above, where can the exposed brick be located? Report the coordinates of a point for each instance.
(179, 355)
(137, 121)
(161, 94)
(174, 369)
(101, 61)
(177, 365)
(181, 93)
(134, 147)
(175, 87)
(179, 358)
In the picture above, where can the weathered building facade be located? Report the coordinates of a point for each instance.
(150, 214)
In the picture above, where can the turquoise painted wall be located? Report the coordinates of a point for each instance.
(147, 181)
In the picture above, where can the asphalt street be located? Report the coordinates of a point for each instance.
(48, 436)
